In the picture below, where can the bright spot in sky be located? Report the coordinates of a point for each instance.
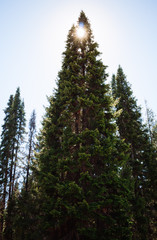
(81, 32)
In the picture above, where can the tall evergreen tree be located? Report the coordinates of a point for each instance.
(5, 155)
(80, 157)
(11, 137)
(142, 156)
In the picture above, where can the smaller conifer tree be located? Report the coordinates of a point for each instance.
(13, 130)
(142, 155)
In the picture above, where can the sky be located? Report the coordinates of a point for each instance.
(32, 40)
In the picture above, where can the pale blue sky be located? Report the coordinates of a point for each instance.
(33, 35)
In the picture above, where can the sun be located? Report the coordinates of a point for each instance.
(80, 31)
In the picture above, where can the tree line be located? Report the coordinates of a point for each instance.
(91, 171)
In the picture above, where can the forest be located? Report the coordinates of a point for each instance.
(90, 173)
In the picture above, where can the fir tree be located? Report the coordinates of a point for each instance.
(80, 157)
(5, 155)
(142, 156)
(11, 137)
